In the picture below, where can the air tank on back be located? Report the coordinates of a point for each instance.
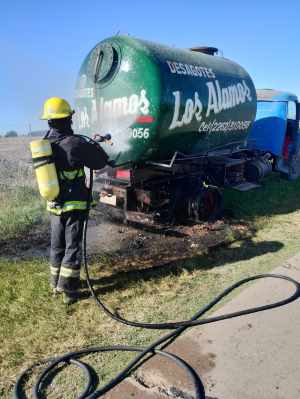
(155, 100)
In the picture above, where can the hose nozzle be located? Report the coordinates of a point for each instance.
(103, 139)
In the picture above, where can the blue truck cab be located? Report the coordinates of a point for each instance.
(276, 130)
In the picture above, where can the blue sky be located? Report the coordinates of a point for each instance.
(43, 43)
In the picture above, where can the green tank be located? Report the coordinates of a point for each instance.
(155, 100)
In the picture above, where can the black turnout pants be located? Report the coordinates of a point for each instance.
(65, 252)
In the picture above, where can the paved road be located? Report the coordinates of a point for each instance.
(253, 357)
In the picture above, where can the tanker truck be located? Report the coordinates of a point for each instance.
(179, 122)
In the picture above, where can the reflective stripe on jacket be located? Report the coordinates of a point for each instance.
(58, 209)
(71, 174)
(70, 180)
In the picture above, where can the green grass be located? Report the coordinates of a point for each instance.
(275, 197)
(21, 208)
(35, 325)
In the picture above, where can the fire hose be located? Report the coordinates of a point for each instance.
(144, 353)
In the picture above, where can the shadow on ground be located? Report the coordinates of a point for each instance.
(213, 259)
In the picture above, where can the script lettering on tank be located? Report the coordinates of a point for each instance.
(82, 118)
(108, 110)
(219, 99)
(121, 106)
(193, 108)
(83, 91)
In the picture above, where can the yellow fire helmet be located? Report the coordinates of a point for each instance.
(56, 108)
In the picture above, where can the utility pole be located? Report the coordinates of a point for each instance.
(29, 131)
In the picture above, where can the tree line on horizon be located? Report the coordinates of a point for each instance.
(14, 133)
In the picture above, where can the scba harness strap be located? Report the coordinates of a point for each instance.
(67, 180)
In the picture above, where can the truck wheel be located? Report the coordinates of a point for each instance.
(210, 204)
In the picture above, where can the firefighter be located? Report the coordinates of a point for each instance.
(68, 211)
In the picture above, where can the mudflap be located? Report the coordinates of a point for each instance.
(211, 205)
(289, 169)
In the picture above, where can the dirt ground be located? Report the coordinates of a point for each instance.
(141, 248)
(131, 245)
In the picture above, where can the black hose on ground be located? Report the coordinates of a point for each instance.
(145, 353)
(89, 392)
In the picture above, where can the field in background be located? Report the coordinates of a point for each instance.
(34, 324)
(15, 149)
(20, 205)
